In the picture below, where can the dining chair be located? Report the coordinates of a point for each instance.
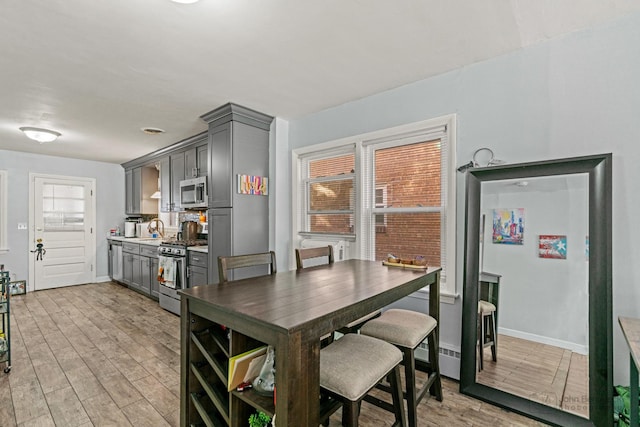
(327, 252)
(313, 253)
(351, 367)
(226, 263)
(406, 329)
(486, 331)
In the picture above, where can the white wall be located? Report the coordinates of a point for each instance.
(572, 96)
(109, 203)
(545, 300)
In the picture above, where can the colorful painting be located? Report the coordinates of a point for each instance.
(254, 185)
(508, 226)
(552, 246)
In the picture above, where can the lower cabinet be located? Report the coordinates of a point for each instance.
(140, 268)
(131, 264)
(197, 272)
(149, 271)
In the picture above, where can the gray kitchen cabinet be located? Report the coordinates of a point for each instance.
(127, 268)
(165, 184)
(154, 284)
(140, 184)
(149, 270)
(175, 163)
(238, 145)
(197, 268)
(177, 175)
(131, 273)
(172, 170)
(136, 277)
(195, 161)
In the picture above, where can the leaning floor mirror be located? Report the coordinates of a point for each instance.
(539, 341)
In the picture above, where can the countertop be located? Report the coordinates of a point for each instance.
(154, 242)
(141, 240)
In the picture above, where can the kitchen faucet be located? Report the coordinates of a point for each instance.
(159, 227)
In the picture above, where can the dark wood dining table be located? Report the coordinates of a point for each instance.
(292, 310)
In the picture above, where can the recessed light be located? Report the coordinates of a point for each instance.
(521, 183)
(39, 134)
(152, 131)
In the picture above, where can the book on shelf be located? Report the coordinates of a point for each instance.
(246, 366)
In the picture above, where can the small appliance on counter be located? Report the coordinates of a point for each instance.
(189, 230)
(130, 227)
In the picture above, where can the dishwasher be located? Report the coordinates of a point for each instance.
(115, 260)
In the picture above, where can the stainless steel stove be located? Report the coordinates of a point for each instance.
(172, 271)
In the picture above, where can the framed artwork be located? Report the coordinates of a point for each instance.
(508, 226)
(552, 246)
(18, 288)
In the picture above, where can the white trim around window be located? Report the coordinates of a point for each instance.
(441, 127)
(4, 188)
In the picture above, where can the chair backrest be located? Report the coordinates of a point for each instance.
(226, 263)
(308, 253)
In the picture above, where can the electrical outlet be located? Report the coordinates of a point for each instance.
(22, 226)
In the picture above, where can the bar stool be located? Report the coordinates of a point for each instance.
(487, 335)
(352, 366)
(406, 329)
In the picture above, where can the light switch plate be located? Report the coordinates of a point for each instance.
(22, 226)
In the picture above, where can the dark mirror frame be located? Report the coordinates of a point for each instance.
(599, 170)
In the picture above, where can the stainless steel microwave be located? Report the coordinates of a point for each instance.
(193, 193)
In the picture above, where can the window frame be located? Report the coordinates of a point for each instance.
(3, 211)
(394, 136)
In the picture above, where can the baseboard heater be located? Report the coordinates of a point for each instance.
(449, 359)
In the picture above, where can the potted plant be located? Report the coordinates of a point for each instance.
(259, 419)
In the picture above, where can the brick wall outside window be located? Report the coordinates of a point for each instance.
(411, 175)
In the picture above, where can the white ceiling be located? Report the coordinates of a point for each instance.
(98, 71)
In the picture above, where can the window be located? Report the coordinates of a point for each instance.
(381, 202)
(3, 212)
(63, 207)
(391, 191)
(413, 215)
(328, 189)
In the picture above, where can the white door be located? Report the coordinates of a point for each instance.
(63, 224)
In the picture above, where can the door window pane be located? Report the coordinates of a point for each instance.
(63, 207)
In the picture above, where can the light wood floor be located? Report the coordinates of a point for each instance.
(103, 355)
(547, 374)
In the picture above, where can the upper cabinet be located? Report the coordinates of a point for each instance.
(177, 175)
(238, 145)
(172, 170)
(195, 161)
(140, 183)
(183, 160)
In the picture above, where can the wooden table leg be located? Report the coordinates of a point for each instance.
(297, 381)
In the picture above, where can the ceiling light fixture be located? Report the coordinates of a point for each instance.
(152, 131)
(39, 134)
(185, 1)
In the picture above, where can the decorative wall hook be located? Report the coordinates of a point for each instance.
(482, 157)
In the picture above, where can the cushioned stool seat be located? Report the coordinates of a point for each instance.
(487, 333)
(400, 327)
(406, 329)
(353, 365)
